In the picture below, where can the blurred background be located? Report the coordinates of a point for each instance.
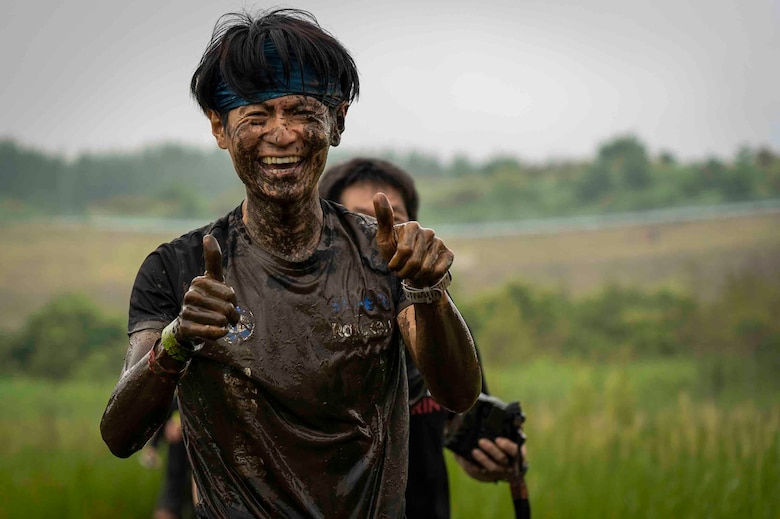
(606, 172)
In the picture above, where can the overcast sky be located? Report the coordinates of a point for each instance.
(534, 79)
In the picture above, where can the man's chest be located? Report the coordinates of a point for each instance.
(325, 332)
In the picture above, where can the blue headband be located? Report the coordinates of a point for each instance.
(299, 83)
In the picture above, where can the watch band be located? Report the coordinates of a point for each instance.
(427, 294)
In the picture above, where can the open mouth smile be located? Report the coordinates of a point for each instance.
(293, 159)
(281, 164)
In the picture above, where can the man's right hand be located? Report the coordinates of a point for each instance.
(209, 304)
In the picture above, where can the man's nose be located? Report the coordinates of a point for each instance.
(280, 131)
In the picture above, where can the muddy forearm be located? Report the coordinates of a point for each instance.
(443, 351)
(139, 403)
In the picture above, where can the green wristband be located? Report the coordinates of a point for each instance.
(171, 345)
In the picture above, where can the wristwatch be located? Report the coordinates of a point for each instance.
(427, 294)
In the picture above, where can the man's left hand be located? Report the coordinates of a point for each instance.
(414, 253)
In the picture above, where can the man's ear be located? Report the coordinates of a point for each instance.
(218, 129)
(338, 128)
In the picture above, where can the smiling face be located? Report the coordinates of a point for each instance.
(359, 197)
(279, 147)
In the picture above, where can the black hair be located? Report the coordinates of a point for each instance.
(358, 170)
(236, 55)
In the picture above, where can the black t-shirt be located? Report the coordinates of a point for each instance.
(302, 409)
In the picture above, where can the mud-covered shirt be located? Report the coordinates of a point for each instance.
(301, 410)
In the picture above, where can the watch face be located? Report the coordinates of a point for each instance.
(420, 295)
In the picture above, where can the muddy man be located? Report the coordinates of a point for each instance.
(281, 324)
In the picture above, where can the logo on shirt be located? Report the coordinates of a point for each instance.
(243, 330)
(361, 320)
(366, 331)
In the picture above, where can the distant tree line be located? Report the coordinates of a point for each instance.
(622, 177)
(168, 180)
(172, 180)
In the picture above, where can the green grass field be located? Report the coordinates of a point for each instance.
(604, 441)
(695, 255)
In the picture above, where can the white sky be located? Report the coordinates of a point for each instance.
(533, 79)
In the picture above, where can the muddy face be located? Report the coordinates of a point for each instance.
(279, 147)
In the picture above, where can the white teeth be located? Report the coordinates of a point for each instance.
(280, 160)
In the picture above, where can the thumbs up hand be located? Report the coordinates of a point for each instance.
(414, 253)
(209, 304)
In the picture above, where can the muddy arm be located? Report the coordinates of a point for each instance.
(141, 399)
(443, 350)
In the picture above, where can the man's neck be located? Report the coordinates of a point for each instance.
(291, 232)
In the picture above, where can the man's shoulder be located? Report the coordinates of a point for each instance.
(183, 256)
(361, 225)
(191, 243)
(166, 273)
(359, 228)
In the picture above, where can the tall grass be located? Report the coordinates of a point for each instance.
(611, 448)
(604, 441)
(53, 462)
